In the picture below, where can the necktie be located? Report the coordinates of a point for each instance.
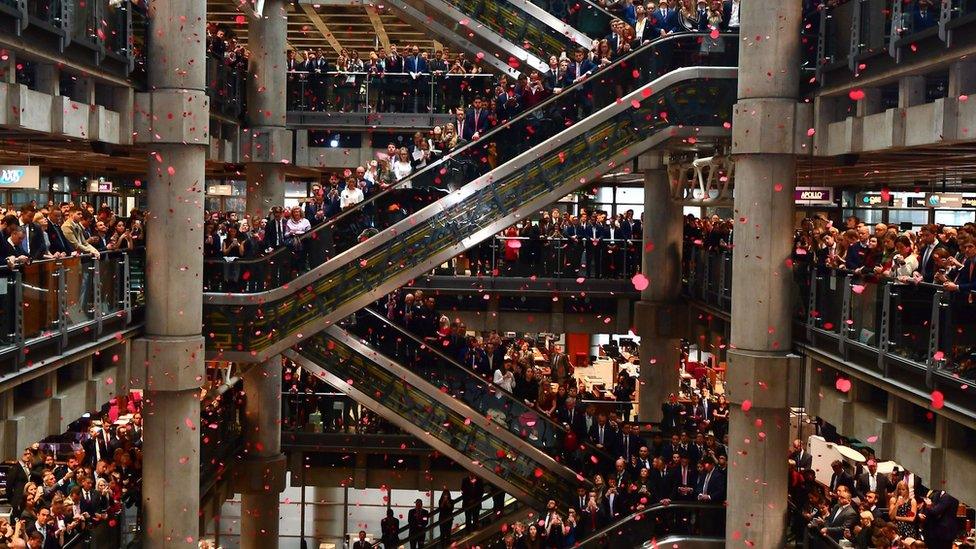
(705, 484)
(601, 435)
(873, 484)
(626, 447)
(684, 476)
(26, 242)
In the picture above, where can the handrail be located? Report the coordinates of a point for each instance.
(643, 514)
(435, 167)
(435, 525)
(403, 332)
(411, 74)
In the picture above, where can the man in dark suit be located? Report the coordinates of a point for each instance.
(939, 523)
(842, 517)
(417, 69)
(965, 282)
(614, 504)
(927, 243)
(602, 435)
(475, 120)
(18, 476)
(673, 414)
(92, 503)
(839, 478)
(592, 519)
(578, 70)
(662, 481)
(390, 528)
(711, 483)
(569, 414)
(800, 456)
(472, 492)
(11, 249)
(33, 243)
(644, 30)
(361, 543)
(666, 18)
(684, 478)
(620, 474)
(627, 443)
(417, 521)
(59, 244)
(872, 481)
(274, 232)
(924, 16)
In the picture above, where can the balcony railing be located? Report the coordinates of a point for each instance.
(920, 336)
(367, 92)
(52, 305)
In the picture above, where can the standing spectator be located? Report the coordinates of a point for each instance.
(417, 520)
(390, 528)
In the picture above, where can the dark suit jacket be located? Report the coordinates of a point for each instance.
(590, 522)
(273, 238)
(836, 523)
(17, 478)
(575, 70)
(662, 487)
(883, 486)
(668, 23)
(94, 504)
(58, 242)
(7, 249)
(418, 519)
(37, 244)
(362, 545)
(716, 485)
(472, 491)
(922, 21)
(473, 125)
(677, 484)
(609, 435)
(941, 526)
(616, 510)
(802, 462)
(966, 278)
(843, 480)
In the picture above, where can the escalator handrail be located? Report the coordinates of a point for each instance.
(649, 510)
(498, 389)
(458, 151)
(489, 493)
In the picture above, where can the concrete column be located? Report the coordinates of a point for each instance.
(262, 477)
(763, 143)
(269, 144)
(658, 313)
(8, 67)
(911, 91)
(84, 91)
(47, 78)
(871, 104)
(168, 359)
(962, 78)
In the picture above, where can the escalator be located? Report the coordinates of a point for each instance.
(669, 92)
(428, 358)
(688, 525)
(489, 520)
(406, 398)
(516, 33)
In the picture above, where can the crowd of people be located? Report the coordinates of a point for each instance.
(35, 233)
(867, 509)
(54, 501)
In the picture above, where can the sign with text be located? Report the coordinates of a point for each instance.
(867, 200)
(949, 200)
(814, 196)
(99, 186)
(20, 177)
(220, 190)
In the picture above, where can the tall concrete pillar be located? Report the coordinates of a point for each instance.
(658, 313)
(268, 149)
(168, 359)
(758, 376)
(262, 476)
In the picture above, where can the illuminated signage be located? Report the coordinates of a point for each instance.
(814, 196)
(20, 177)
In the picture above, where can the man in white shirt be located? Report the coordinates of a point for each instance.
(351, 195)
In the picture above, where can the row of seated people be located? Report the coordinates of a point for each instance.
(55, 503)
(867, 509)
(33, 233)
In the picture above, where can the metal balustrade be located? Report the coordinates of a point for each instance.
(919, 336)
(51, 306)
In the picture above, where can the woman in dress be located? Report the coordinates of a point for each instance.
(720, 417)
(445, 517)
(902, 509)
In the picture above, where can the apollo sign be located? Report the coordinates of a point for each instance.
(20, 177)
(811, 196)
